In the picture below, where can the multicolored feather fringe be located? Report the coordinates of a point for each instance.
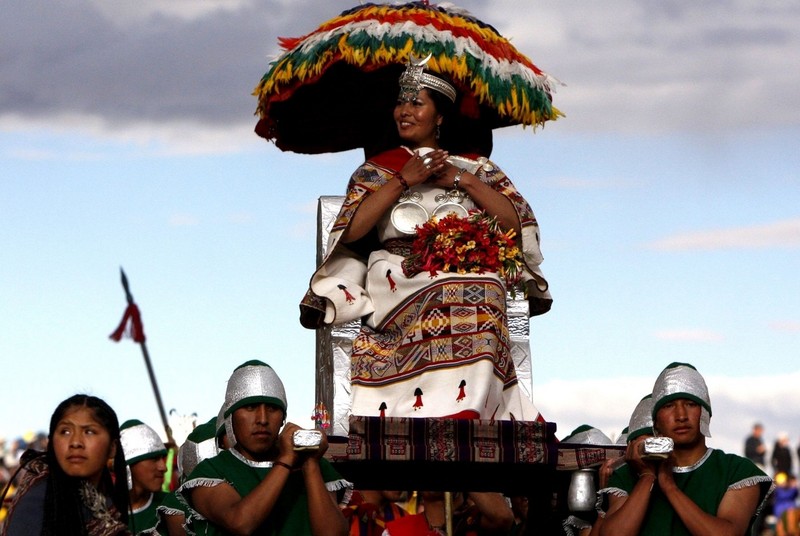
(482, 64)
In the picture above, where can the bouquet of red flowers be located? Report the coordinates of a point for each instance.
(475, 244)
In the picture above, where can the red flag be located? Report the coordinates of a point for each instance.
(130, 326)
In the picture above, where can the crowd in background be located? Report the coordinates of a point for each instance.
(778, 460)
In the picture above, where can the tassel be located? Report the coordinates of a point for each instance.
(132, 329)
(461, 394)
(392, 284)
(349, 297)
(382, 409)
(418, 403)
(494, 414)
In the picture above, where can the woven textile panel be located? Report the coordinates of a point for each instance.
(462, 440)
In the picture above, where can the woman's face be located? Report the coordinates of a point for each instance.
(82, 445)
(417, 120)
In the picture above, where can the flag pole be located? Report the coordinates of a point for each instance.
(147, 363)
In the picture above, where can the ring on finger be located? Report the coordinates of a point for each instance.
(427, 161)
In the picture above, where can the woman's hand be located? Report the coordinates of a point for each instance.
(446, 177)
(421, 168)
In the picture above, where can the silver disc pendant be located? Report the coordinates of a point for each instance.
(406, 216)
(450, 208)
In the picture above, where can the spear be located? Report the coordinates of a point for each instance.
(136, 332)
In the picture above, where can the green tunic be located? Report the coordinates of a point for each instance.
(170, 506)
(289, 517)
(705, 482)
(144, 520)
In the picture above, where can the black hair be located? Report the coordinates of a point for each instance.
(458, 134)
(63, 509)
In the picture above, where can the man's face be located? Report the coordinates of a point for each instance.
(149, 473)
(257, 427)
(680, 421)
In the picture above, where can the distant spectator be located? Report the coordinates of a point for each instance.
(783, 508)
(754, 448)
(782, 455)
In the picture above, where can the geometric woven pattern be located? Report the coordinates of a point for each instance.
(444, 325)
(411, 439)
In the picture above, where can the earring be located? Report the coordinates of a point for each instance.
(438, 132)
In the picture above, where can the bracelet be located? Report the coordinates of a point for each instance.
(457, 178)
(402, 180)
(647, 473)
(279, 463)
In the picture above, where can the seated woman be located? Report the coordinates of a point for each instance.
(433, 343)
(69, 490)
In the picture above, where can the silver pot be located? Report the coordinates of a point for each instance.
(581, 496)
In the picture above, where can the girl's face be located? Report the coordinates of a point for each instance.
(82, 445)
(417, 120)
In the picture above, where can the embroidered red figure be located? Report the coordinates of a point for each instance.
(392, 284)
(461, 393)
(418, 403)
(349, 297)
(382, 409)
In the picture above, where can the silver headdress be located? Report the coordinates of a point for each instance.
(681, 380)
(140, 442)
(200, 444)
(588, 435)
(414, 78)
(253, 382)
(221, 422)
(641, 422)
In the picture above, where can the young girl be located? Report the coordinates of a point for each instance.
(69, 489)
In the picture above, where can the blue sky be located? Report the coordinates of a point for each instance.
(668, 198)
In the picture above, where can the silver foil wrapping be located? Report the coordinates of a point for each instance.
(306, 439)
(334, 344)
(657, 448)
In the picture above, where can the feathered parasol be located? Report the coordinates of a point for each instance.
(334, 89)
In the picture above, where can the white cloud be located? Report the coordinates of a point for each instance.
(689, 335)
(124, 12)
(780, 234)
(241, 218)
(786, 325)
(183, 220)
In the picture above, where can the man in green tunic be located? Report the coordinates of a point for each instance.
(145, 455)
(200, 444)
(263, 484)
(696, 490)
